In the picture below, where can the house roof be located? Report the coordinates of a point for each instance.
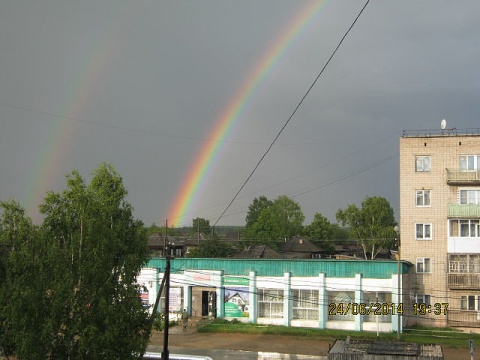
(299, 245)
(257, 252)
(156, 240)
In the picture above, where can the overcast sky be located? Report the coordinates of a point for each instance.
(141, 85)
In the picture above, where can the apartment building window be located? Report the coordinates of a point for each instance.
(424, 265)
(469, 196)
(423, 197)
(422, 163)
(465, 228)
(458, 264)
(464, 263)
(423, 231)
(469, 162)
(422, 299)
(467, 302)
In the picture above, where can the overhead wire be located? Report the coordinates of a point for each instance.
(294, 112)
(281, 284)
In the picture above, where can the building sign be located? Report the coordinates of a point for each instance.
(236, 302)
(236, 280)
(175, 299)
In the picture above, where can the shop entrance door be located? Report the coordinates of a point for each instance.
(209, 303)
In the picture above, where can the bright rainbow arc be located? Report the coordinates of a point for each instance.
(225, 124)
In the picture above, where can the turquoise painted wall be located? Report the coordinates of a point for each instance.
(374, 269)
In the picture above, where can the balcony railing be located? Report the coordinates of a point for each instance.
(463, 177)
(463, 318)
(441, 132)
(463, 211)
(464, 281)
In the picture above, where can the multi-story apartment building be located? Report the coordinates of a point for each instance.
(440, 224)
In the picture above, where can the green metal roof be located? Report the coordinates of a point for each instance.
(374, 269)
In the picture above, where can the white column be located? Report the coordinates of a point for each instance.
(322, 302)
(252, 297)
(397, 300)
(358, 300)
(287, 300)
(221, 296)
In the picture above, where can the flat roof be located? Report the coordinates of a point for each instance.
(441, 132)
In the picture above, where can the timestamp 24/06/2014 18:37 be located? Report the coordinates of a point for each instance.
(386, 309)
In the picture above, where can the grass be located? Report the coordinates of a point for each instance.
(447, 337)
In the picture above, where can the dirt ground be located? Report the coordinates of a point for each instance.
(268, 343)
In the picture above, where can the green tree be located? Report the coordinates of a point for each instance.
(201, 225)
(18, 278)
(339, 233)
(372, 225)
(255, 208)
(320, 232)
(73, 284)
(281, 220)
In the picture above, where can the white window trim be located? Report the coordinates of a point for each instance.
(423, 157)
(424, 238)
(476, 165)
(476, 300)
(477, 197)
(423, 298)
(423, 197)
(423, 261)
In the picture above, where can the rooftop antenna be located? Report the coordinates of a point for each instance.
(443, 124)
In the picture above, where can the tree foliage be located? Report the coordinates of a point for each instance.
(255, 208)
(274, 221)
(320, 231)
(372, 225)
(201, 225)
(71, 284)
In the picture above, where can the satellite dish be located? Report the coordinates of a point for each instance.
(443, 124)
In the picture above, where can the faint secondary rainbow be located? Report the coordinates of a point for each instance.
(224, 125)
(81, 91)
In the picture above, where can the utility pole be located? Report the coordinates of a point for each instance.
(399, 285)
(165, 353)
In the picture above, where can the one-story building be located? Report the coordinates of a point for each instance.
(361, 295)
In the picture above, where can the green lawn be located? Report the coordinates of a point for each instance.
(421, 335)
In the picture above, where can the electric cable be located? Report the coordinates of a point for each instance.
(293, 113)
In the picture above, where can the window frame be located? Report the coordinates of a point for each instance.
(424, 226)
(466, 165)
(422, 194)
(305, 304)
(270, 303)
(423, 299)
(422, 164)
(469, 302)
(424, 262)
(465, 199)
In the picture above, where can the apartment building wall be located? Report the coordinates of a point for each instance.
(443, 152)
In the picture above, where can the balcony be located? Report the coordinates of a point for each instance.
(463, 318)
(463, 177)
(465, 211)
(464, 281)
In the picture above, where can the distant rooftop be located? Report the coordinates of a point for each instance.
(441, 132)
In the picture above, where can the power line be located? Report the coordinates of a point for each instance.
(294, 112)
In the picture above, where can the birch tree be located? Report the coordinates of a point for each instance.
(372, 225)
(80, 282)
